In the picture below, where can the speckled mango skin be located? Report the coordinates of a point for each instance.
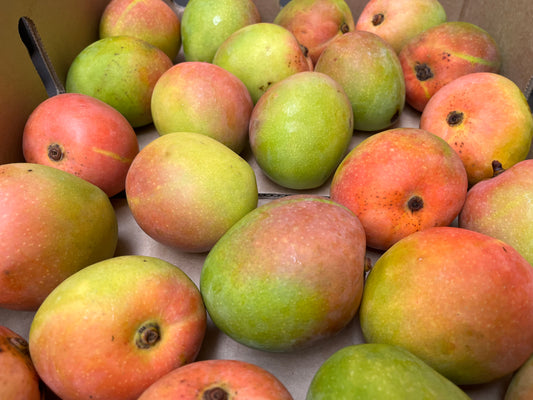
(315, 23)
(186, 190)
(206, 24)
(287, 274)
(496, 122)
(153, 21)
(301, 129)
(239, 379)
(52, 224)
(501, 207)
(450, 49)
(459, 300)
(377, 179)
(122, 72)
(379, 371)
(219, 107)
(368, 69)
(83, 337)
(260, 55)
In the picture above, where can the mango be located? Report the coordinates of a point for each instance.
(300, 129)
(52, 224)
(398, 21)
(186, 189)
(443, 53)
(368, 69)
(373, 371)
(288, 274)
(315, 23)
(500, 207)
(180, 103)
(485, 117)
(460, 300)
(122, 72)
(153, 21)
(260, 55)
(521, 384)
(206, 24)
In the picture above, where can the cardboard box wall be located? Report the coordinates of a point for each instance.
(67, 26)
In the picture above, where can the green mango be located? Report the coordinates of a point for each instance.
(369, 70)
(379, 371)
(122, 72)
(205, 24)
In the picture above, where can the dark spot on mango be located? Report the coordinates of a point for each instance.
(415, 203)
(378, 19)
(20, 344)
(497, 168)
(345, 28)
(55, 152)
(423, 72)
(263, 88)
(216, 393)
(454, 118)
(395, 117)
(368, 264)
(147, 335)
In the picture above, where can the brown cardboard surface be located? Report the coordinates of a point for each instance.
(67, 26)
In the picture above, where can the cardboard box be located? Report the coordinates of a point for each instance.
(67, 26)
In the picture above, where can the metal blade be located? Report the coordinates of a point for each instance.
(31, 39)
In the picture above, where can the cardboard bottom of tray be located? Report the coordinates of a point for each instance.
(295, 369)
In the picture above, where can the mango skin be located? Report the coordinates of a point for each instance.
(449, 50)
(122, 72)
(418, 165)
(89, 328)
(369, 71)
(219, 107)
(186, 189)
(287, 275)
(153, 21)
(300, 130)
(521, 384)
(315, 23)
(206, 24)
(52, 225)
(460, 300)
(495, 122)
(260, 55)
(371, 371)
(500, 207)
(95, 141)
(18, 378)
(240, 380)
(398, 21)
